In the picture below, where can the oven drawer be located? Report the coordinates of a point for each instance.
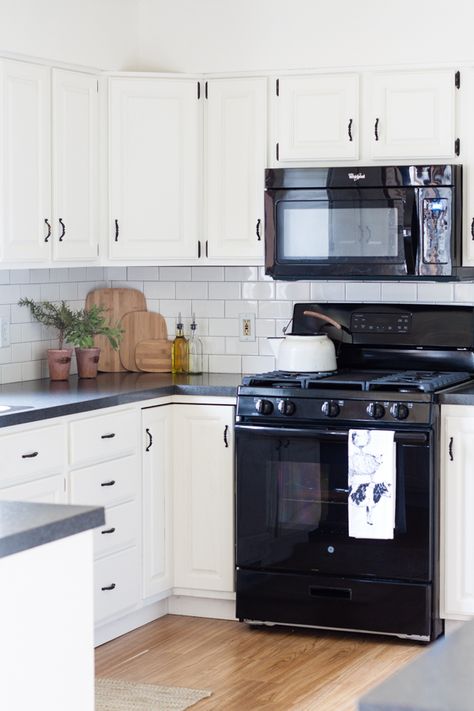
(339, 603)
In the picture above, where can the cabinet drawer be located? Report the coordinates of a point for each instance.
(116, 583)
(32, 453)
(105, 484)
(103, 437)
(120, 530)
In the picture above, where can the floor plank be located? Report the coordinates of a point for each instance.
(253, 669)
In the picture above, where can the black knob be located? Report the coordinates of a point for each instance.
(399, 411)
(286, 407)
(375, 410)
(264, 407)
(330, 408)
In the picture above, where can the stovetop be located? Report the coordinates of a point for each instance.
(406, 381)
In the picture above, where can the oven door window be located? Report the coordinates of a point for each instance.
(292, 511)
(324, 226)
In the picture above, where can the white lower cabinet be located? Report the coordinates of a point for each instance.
(203, 521)
(457, 512)
(48, 490)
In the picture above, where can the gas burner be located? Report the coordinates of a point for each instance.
(417, 381)
(284, 379)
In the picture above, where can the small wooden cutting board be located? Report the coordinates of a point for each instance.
(154, 355)
(139, 326)
(117, 302)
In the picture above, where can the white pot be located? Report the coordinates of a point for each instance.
(304, 354)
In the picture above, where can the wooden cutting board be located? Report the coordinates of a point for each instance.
(118, 302)
(139, 326)
(154, 356)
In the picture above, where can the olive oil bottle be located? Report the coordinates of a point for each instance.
(180, 352)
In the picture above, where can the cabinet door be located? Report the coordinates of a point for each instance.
(157, 511)
(75, 107)
(25, 162)
(457, 512)
(50, 490)
(412, 114)
(235, 149)
(155, 139)
(203, 497)
(317, 117)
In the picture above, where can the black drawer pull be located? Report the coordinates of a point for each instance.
(150, 440)
(109, 587)
(472, 228)
(46, 222)
(29, 456)
(108, 436)
(63, 229)
(108, 483)
(341, 593)
(226, 441)
(376, 129)
(349, 130)
(108, 530)
(450, 449)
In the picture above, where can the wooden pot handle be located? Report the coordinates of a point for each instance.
(323, 317)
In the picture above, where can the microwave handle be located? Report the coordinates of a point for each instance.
(411, 234)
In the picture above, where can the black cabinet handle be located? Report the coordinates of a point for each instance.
(46, 222)
(376, 129)
(207, 248)
(150, 440)
(108, 483)
(116, 230)
(109, 587)
(63, 226)
(226, 429)
(199, 249)
(472, 228)
(450, 449)
(29, 456)
(108, 530)
(257, 230)
(108, 436)
(349, 130)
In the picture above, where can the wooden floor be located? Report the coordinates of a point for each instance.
(251, 669)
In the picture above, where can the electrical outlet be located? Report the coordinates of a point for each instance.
(246, 327)
(4, 333)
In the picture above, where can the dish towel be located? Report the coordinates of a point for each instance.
(372, 481)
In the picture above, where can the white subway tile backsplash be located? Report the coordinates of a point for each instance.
(4, 276)
(159, 289)
(175, 273)
(57, 275)
(225, 290)
(68, 291)
(49, 292)
(241, 274)
(31, 371)
(191, 290)
(115, 273)
(233, 345)
(19, 314)
(9, 294)
(363, 291)
(214, 345)
(208, 309)
(207, 273)
(21, 352)
(258, 290)
(5, 354)
(39, 276)
(171, 307)
(292, 291)
(464, 293)
(225, 364)
(11, 373)
(395, 291)
(265, 327)
(262, 276)
(94, 273)
(327, 291)
(234, 308)
(143, 273)
(257, 364)
(19, 276)
(275, 309)
(437, 293)
(223, 326)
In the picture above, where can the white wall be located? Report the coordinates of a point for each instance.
(97, 33)
(233, 35)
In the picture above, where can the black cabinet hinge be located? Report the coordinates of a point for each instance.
(277, 87)
(457, 146)
(277, 151)
(457, 80)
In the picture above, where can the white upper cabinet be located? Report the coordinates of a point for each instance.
(25, 162)
(75, 184)
(154, 168)
(317, 117)
(411, 115)
(235, 161)
(48, 134)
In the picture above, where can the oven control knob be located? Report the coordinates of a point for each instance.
(286, 407)
(399, 411)
(375, 410)
(330, 408)
(264, 407)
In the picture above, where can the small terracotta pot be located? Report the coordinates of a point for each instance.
(87, 362)
(59, 363)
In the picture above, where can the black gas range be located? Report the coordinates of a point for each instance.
(298, 562)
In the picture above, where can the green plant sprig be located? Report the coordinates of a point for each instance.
(59, 316)
(92, 322)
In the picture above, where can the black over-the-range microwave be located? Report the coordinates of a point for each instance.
(376, 222)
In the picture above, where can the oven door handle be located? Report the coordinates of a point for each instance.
(400, 437)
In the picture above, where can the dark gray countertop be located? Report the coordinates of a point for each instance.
(45, 398)
(461, 396)
(24, 525)
(439, 680)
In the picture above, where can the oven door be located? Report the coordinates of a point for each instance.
(292, 506)
(340, 232)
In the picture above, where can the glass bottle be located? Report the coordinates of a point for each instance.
(195, 350)
(179, 353)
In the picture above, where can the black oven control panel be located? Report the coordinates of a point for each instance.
(397, 410)
(381, 322)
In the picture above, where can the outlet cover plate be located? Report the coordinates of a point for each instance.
(246, 327)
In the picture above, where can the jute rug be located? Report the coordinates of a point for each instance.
(117, 695)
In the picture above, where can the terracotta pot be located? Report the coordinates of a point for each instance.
(59, 363)
(87, 362)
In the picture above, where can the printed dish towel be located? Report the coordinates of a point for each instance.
(372, 481)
